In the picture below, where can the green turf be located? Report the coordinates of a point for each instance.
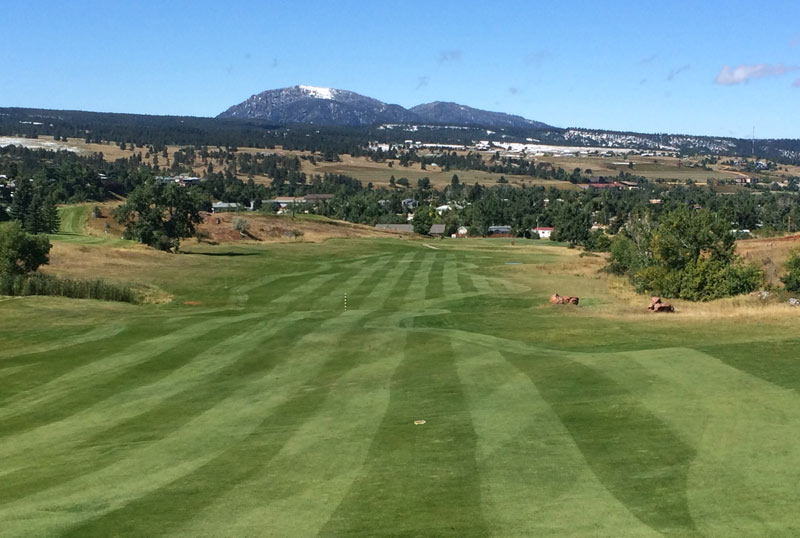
(72, 228)
(269, 410)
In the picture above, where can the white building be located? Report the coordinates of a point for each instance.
(543, 232)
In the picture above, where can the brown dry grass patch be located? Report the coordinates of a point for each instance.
(126, 265)
(218, 228)
(770, 254)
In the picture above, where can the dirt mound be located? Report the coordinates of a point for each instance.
(218, 228)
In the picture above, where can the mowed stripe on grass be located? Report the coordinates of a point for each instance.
(282, 414)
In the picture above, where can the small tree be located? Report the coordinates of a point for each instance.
(20, 252)
(159, 215)
(792, 278)
(423, 219)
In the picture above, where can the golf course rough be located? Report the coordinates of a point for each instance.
(448, 399)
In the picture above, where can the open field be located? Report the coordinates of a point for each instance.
(379, 174)
(254, 404)
(670, 169)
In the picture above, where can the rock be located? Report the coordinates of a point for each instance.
(663, 307)
(657, 306)
(794, 301)
(558, 299)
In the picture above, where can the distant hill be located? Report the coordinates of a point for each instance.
(323, 106)
(455, 114)
(328, 106)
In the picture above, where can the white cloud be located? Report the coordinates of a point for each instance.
(736, 75)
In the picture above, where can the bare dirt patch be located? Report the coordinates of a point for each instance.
(218, 228)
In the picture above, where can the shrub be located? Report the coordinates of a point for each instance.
(598, 241)
(40, 284)
(20, 252)
(241, 225)
(792, 278)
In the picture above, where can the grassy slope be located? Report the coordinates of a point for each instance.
(269, 410)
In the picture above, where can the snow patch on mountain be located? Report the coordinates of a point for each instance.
(319, 92)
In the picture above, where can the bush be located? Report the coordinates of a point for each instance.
(165, 243)
(241, 225)
(20, 252)
(39, 284)
(701, 280)
(707, 279)
(689, 255)
(598, 241)
(623, 257)
(202, 235)
(792, 278)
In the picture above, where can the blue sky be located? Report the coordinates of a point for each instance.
(709, 67)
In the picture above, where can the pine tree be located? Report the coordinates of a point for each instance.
(22, 200)
(51, 218)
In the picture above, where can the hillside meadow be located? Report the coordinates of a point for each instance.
(251, 402)
(661, 168)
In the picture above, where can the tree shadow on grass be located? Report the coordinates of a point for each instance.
(223, 254)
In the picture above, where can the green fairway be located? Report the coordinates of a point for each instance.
(255, 404)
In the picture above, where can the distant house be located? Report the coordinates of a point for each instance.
(462, 231)
(410, 204)
(436, 229)
(448, 207)
(499, 231)
(286, 201)
(543, 232)
(183, 181)
(317, 198)
(404, 228)
(222, 207)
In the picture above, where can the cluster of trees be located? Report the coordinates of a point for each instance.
(686, 253)
(159, 131)
(159, 214)
(450, 160)
(34, 207)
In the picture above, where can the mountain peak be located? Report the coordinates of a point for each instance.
(328, 106)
